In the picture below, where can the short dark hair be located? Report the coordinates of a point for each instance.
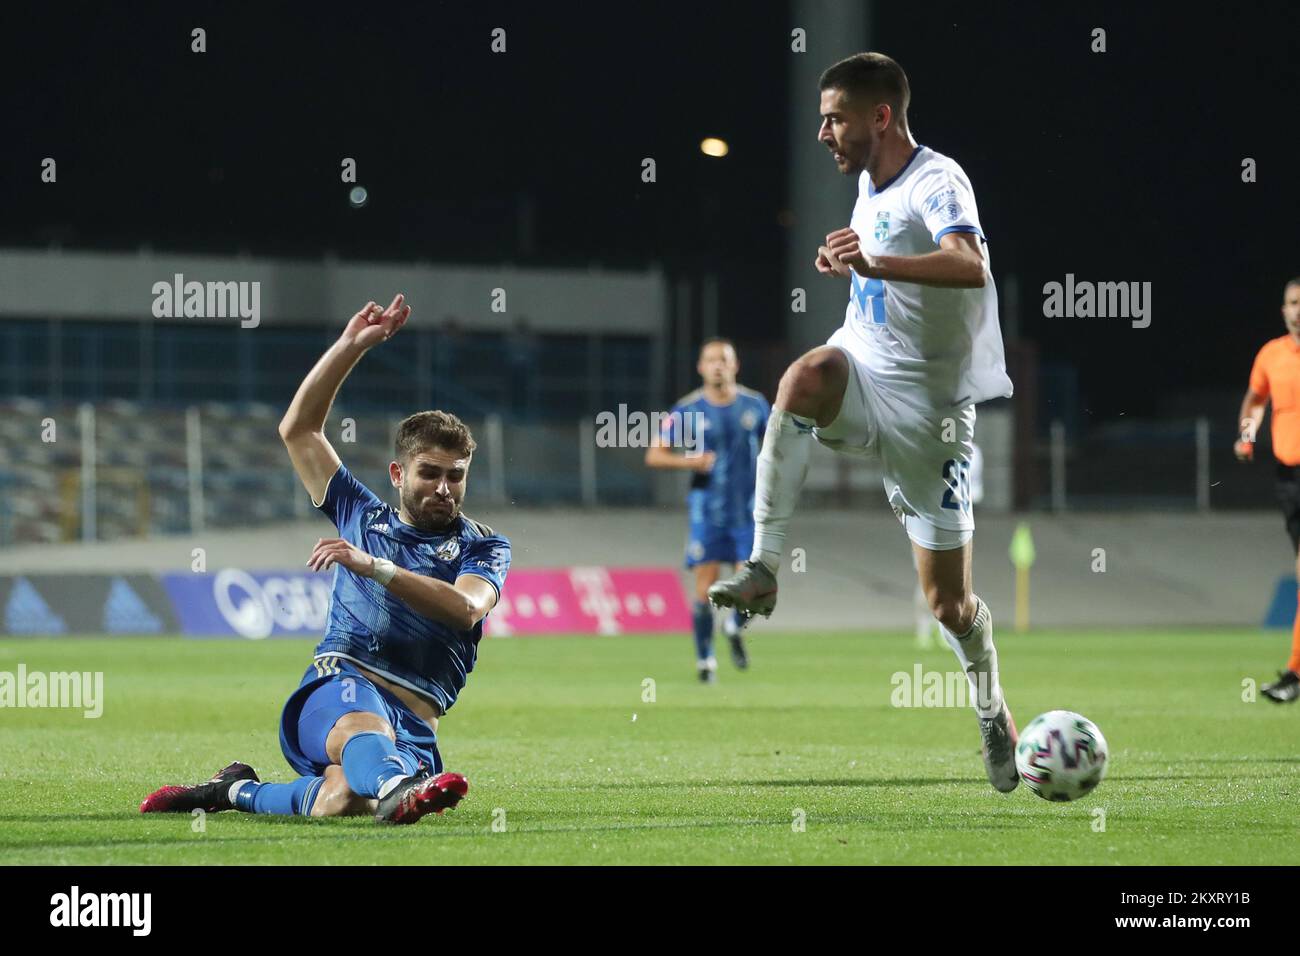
(435, 429)
(868, 79)
(716, 340)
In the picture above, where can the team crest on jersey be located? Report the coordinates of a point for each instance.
(748, 419)
(882, 226)
(449, 550)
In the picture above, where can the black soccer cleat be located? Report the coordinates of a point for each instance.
(1284, 690)
(211, 797)
(422, 794)
(738, 655)
(733, 625)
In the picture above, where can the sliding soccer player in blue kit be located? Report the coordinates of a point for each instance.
(412, 586)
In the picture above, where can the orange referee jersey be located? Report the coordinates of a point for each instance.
(1276, 376)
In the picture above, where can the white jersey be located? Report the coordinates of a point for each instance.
(947, 342)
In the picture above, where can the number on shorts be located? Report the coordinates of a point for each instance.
(956, 475)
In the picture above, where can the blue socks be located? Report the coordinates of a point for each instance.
(285, 799)
(370, 760)
(703, 620)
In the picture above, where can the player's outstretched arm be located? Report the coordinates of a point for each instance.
(460, 605)
(302, 427)
(1251, 418)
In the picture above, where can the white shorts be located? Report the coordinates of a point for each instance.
(926, 453)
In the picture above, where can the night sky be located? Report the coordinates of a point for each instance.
(1122, 166)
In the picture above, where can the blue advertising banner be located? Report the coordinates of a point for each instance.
(49, 604)
(1282, 611)
(250, 604)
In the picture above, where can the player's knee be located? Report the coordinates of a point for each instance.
(351, 724)
(336, 799)
(802, 381)
(813, 379)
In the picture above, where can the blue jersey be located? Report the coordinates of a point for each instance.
(723, 498)
(378, 630)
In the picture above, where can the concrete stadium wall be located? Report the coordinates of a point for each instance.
(1161, 569)
(107, 286)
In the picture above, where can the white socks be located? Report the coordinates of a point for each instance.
(782, 466)
(979, 659)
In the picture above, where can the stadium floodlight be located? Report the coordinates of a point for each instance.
(712, 146)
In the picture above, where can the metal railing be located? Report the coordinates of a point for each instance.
(1129, 464)
(126, 470)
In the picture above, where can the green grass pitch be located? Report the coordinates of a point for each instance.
(574, 766)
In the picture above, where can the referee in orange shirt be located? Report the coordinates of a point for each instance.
(1276, 376)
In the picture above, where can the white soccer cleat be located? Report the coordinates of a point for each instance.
(999, 750)
(751, 590)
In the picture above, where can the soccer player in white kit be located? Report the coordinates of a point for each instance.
(898, 382)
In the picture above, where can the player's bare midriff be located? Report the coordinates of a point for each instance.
(422, 707)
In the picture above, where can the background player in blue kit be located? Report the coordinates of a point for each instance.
(412, 586)
(719, 431)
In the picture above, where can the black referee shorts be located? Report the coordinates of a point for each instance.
(1288, 496)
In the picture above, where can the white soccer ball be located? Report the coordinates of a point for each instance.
(1061, 755)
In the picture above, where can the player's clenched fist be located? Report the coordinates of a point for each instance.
(843, 250)
(331, 551)
(373, 324)
(824, 264)
(1244, 450)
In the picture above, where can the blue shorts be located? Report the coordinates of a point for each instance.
(711, 543)
(331, 688)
